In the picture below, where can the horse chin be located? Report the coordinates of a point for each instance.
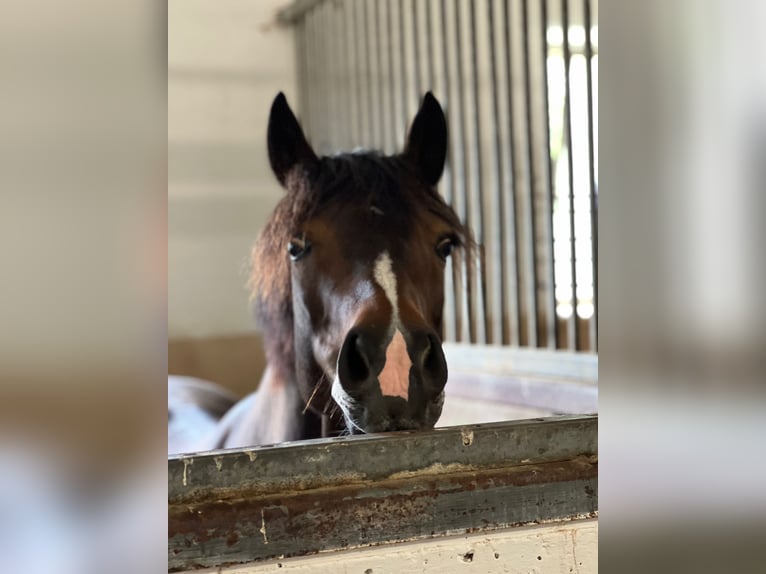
(357, 422)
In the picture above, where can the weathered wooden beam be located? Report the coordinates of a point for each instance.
(241, 506)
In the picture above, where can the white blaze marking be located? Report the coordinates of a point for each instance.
(384, 275)
(395, 376)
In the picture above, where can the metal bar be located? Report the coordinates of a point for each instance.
(499, 331)
(321, 65)
(379, 109)
(550, 294)
(510, 215)
(386, 122)
(464, 208)
(592, 177)
(448, 186)
(327, 59)
(314, 112)
(347, 58)
(372, 110)
(359, 60)
(452, 295)
(531, 227)
(403, 60)
(333, 100)
(477, 185)
(357, 73)
(318, 463)
(353, 80)
(393, 119)
(239, 506)
(573, 338)
(300, 523)
(342, 97)
(303, 87)
(416, 48)
(429, 51)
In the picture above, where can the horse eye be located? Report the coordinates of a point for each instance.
(297, 248)
(444, 248)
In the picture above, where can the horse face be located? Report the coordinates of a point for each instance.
(367, 274)
(367, 303)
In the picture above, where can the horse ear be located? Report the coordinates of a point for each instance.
(288, 147)
(427, 141)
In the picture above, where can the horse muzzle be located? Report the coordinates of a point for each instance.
(390, 381)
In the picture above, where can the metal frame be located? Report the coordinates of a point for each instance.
(241, 506)
(499, 175)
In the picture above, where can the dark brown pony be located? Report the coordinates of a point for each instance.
(348, 287)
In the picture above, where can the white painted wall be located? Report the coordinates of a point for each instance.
(227, 59)
(556, 548)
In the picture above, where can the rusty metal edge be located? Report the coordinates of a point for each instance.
(258, 471)
(215, 533)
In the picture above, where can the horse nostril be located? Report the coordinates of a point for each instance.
(425, 357)
(353, 363)
(434, 363)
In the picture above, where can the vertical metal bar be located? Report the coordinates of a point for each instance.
(318, 80)
(393, 119)
(429, 51)
(363, 86)
(328, 64)
(592, 176)
(499, 331)
(395, 70)
(403, 61)
(349, 55)
(453, 295)
(349, 86)
(371, 136)
(356, 72)
(550, 294)
(379, 108)
(400, 89)
(383, 33)
(300, 53)
(307, 120)
(531, 227)
(510, 215)
(416, 49)
(573, 338)
(449, 183)
(341, 98)
(311, 126)
(464, 208)
(477, 184)
(320, 135)
(335, 106)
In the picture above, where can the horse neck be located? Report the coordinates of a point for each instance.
(279, 346)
